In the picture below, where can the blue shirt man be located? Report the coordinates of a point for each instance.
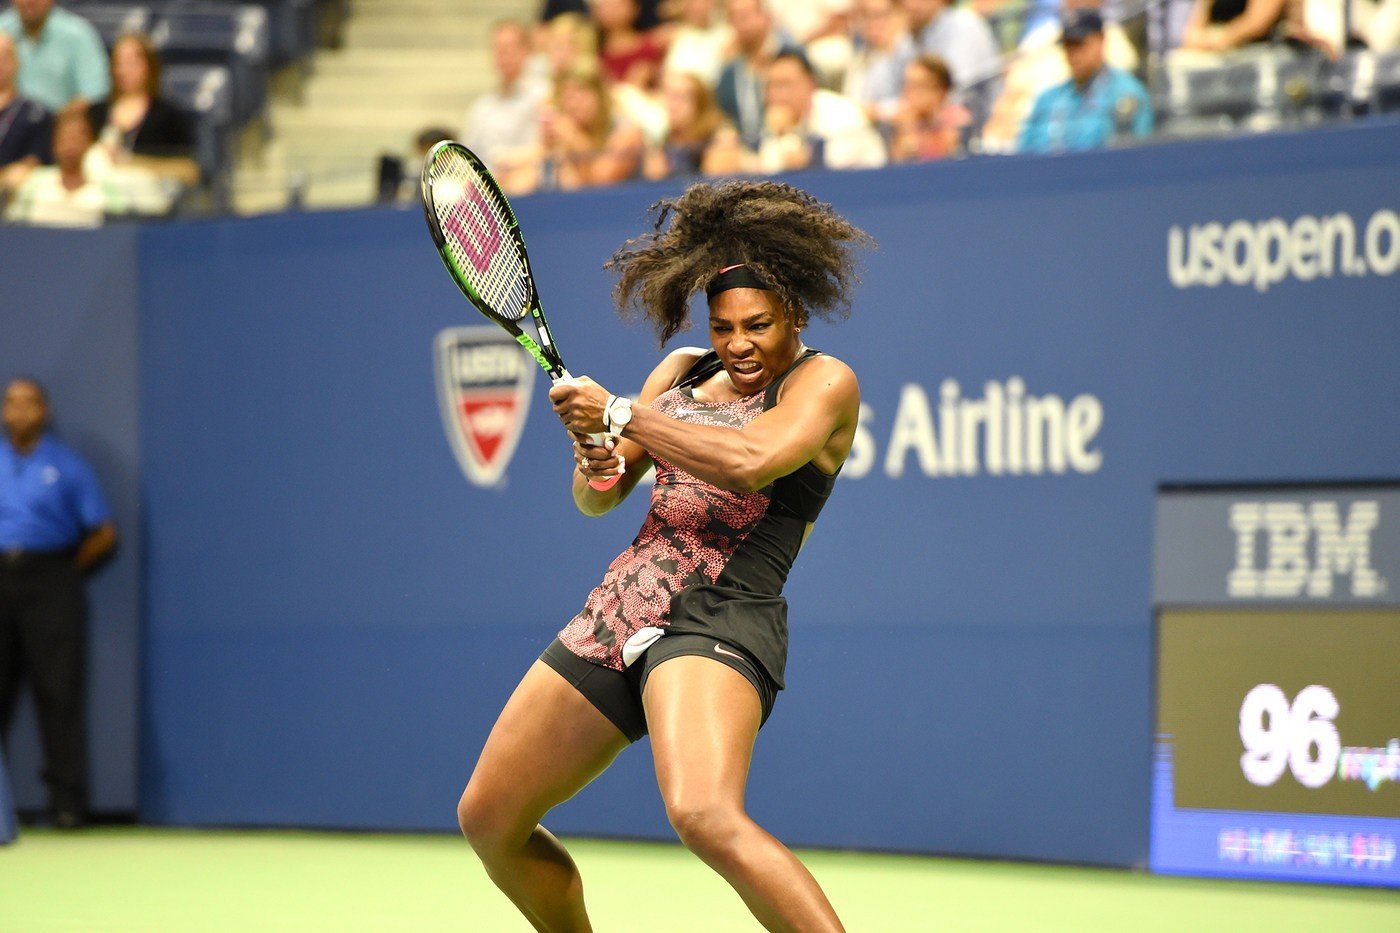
(1097, 103)
(49, 498)
(54, 524)
(61, 55)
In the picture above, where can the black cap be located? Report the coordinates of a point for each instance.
(1080, 24)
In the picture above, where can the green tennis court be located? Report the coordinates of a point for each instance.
(158, 879)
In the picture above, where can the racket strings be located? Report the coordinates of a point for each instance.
(476, 229)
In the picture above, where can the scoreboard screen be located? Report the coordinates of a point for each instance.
(1277, 752)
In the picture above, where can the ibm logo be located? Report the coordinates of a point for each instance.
(1292, 568)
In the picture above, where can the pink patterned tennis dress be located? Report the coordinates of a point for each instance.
(707, 560)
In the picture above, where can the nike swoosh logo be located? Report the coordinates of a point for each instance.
(720, 649)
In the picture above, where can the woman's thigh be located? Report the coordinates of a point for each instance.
(547, 744)
(703, 717)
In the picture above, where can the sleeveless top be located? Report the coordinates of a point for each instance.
(707, 560)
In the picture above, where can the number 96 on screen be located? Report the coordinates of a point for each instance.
(1302, 737)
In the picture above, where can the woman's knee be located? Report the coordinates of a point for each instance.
(485, 819)
(710, 830)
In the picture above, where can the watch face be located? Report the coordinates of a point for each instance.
(621, 412)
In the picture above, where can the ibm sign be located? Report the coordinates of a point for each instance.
(1314, 545)
(1295, 548)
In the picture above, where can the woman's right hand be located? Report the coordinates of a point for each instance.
(596, 462)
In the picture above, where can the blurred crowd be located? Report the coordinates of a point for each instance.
(596, 92)
(84, 134)
(602, 91)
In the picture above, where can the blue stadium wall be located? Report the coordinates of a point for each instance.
(334, 614)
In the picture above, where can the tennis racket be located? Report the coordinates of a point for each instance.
(479, 240)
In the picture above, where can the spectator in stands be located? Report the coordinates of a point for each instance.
(62, 58)
(927, 125)
(566, 43)
(806, 126)
(26, 129)
(821, 29)
(55, 527)
(963, 39)
(583, 144)
(648, 15)
(503, 122)
(1097, 104)
(63, 195)
(699, 42)
(137, 129)
(627, 54)
(883, 49)
(693, 123)
(1223, 25)
(740, 90)
(1039, 65)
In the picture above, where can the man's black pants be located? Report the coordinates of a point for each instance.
(43, 639)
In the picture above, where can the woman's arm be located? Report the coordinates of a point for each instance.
(819, 403)
(1193, 36)
(604, 463)
(1258, 18)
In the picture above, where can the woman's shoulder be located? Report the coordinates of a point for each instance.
(822, 368)
(679, 362)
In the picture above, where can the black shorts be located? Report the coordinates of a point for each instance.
(618, 694)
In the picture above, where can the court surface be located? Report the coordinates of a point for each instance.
(166, 879)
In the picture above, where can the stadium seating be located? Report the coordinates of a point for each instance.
(235, 37)
(205, 93)
(217, 59)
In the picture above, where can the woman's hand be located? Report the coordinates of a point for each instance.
(597, 462)
(579, 404)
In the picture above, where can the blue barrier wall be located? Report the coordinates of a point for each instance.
(329, 638)
(68, 317)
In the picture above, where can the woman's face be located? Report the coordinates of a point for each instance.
(70, 141)
(753, 335)
(129, 71)
(613, 14)
(697, 12)
(922, 90)
(679, 96)
(579, 101)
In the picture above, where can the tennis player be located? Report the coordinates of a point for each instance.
(686, 637)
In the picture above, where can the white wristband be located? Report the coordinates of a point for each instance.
(607, 413)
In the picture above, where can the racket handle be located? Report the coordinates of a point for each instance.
(605, 483)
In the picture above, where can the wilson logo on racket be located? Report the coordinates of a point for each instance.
(484, 380)
(467, 221)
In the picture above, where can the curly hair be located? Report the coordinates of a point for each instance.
(795, 243)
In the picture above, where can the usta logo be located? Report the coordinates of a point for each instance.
(484, 381)
(1305, 547)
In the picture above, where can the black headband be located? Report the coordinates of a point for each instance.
(735, 276)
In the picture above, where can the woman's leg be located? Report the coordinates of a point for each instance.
(703, 717)
(548, 743)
